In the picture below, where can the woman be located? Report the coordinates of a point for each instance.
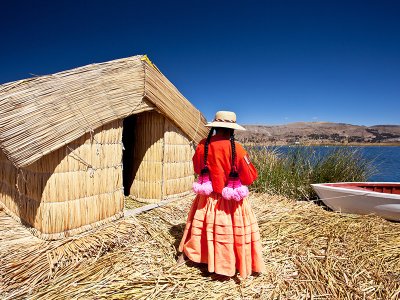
(223, 233)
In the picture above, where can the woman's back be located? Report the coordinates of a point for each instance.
(219, 162)
(221, 229)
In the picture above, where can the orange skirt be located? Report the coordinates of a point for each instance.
(223, 234)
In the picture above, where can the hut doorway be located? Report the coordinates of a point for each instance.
(143, 156)
(157, 160)
(128, 140)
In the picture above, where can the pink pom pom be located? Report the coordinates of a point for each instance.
(234, 190)
(206, 188)
(242, 191)
(196, 187)
(227, 192)
(202, 186)
(236, 195)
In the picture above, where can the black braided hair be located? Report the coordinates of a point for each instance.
(233, 172)
(205, 169)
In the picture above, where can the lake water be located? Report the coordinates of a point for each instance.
(385, 158)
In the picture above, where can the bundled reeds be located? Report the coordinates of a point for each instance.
(309, 253)
(148, 157)
(70, 190)
(61, 144)
(178, 174)
(41, 114)
(162, 159)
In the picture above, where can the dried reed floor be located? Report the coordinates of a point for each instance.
(310, 254)
(131, 203)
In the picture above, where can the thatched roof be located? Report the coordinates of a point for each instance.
(41, 114)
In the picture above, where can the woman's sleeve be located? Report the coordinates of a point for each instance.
(247, 171)
(198, 159)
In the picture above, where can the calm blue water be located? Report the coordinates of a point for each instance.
(386, 159)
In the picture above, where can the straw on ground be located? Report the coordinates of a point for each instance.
(309, 253)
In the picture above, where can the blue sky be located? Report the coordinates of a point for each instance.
(272, 62)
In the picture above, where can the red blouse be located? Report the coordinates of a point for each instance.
(219, 162)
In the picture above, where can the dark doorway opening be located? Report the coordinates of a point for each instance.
(128, 140)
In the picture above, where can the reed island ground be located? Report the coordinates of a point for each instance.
(310, 253)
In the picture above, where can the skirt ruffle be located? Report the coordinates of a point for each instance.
(223, 234)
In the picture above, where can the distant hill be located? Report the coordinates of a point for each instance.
(319, 133)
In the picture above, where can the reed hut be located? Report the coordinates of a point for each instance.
(73, 143)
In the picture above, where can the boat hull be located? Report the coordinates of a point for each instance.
(356, 200)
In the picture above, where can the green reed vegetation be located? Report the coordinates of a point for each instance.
(290, 172)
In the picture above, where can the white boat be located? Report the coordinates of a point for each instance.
(379, 198)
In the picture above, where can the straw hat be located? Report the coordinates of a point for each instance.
(226, 119)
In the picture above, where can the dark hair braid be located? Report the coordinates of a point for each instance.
(233, 147)
(205, 169)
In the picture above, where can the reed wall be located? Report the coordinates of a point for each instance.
(162, 159)
(148, 156)
(178, 174)
(69, 190)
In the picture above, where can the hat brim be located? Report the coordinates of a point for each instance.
(225, 125)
